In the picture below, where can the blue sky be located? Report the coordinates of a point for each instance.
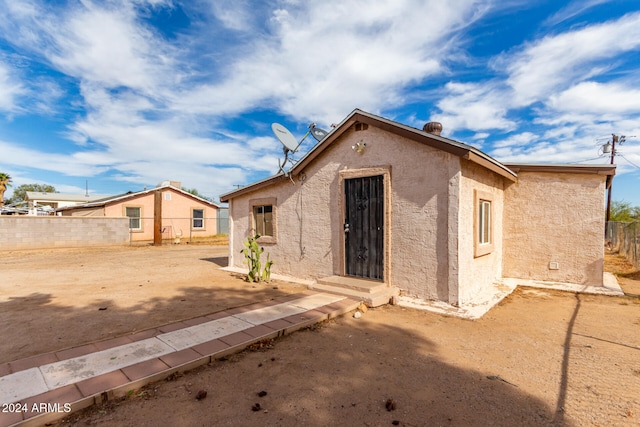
(128, 93)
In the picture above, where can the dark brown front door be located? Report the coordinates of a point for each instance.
(364, 227)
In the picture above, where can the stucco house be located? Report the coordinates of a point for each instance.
(377, 208)
(160, 213)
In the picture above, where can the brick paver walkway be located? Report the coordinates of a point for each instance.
(46, 387)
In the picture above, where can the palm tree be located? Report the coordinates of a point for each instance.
(5, 181)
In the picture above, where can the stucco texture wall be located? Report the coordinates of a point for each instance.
(555, 217)
(145, 203)
(36, 232)
(177, 212)
(99, 211)
(176, 215)
(478, 273)
(310, 236)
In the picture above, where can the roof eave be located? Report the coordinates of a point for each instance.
(492, 165)
(252, 187)
(444, 144)
(606, 169)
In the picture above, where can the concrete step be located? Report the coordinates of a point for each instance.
(355, 283)
(370, 292)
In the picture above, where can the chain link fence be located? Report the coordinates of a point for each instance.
(177, 229)
(624, 237)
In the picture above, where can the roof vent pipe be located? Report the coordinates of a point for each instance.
(433, 128)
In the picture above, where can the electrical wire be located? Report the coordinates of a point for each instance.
(586, 160)
(619, 154)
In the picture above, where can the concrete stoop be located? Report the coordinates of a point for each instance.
(372, 293)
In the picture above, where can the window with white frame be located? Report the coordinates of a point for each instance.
(483, 223)
(134, 214)
(197, 219)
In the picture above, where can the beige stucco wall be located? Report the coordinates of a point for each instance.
(478, 273)
(176, 214)
(99, 211)
(310, 237)
(555, 217)
(431, 199)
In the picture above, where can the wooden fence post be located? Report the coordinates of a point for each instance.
(157, 218)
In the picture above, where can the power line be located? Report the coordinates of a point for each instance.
(621, 155)
(586, 160)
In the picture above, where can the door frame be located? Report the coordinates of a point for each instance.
(385, 171)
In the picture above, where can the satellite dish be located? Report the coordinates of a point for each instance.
(285, 137)
(290, 143)
(318, 133)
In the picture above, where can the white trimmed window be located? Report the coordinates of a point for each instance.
(197, 219)
(483, 223)
(135, 217)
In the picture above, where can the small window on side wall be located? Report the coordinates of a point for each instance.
(484, 220)
(135, 218)
(197, 219)
(264, 219)
(483, 223)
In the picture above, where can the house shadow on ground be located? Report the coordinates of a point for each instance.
(40, 322)
(341, 373)
(221, 261)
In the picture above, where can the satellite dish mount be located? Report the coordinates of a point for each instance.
(290, 145)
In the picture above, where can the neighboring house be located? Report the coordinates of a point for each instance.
(164, 212)
(13, 210)
(38, 201)
(383, 207)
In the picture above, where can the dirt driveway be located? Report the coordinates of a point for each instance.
(539, 358)
(59, 298)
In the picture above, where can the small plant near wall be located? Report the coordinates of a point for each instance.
(266, 274)
(252, 252)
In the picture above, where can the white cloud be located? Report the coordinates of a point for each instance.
(72, 165)
(554, 62)
(517, 140)
(474, 106)
(234, 14)
(150, 107)
(553, 81)
(572, 10)
(597, 98)
(108, 46)
(323, 59)
(10, 89)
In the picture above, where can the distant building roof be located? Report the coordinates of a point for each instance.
(41, 196)
(119, 197)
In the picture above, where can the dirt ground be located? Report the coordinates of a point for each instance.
(539, 358)
(60, 298)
